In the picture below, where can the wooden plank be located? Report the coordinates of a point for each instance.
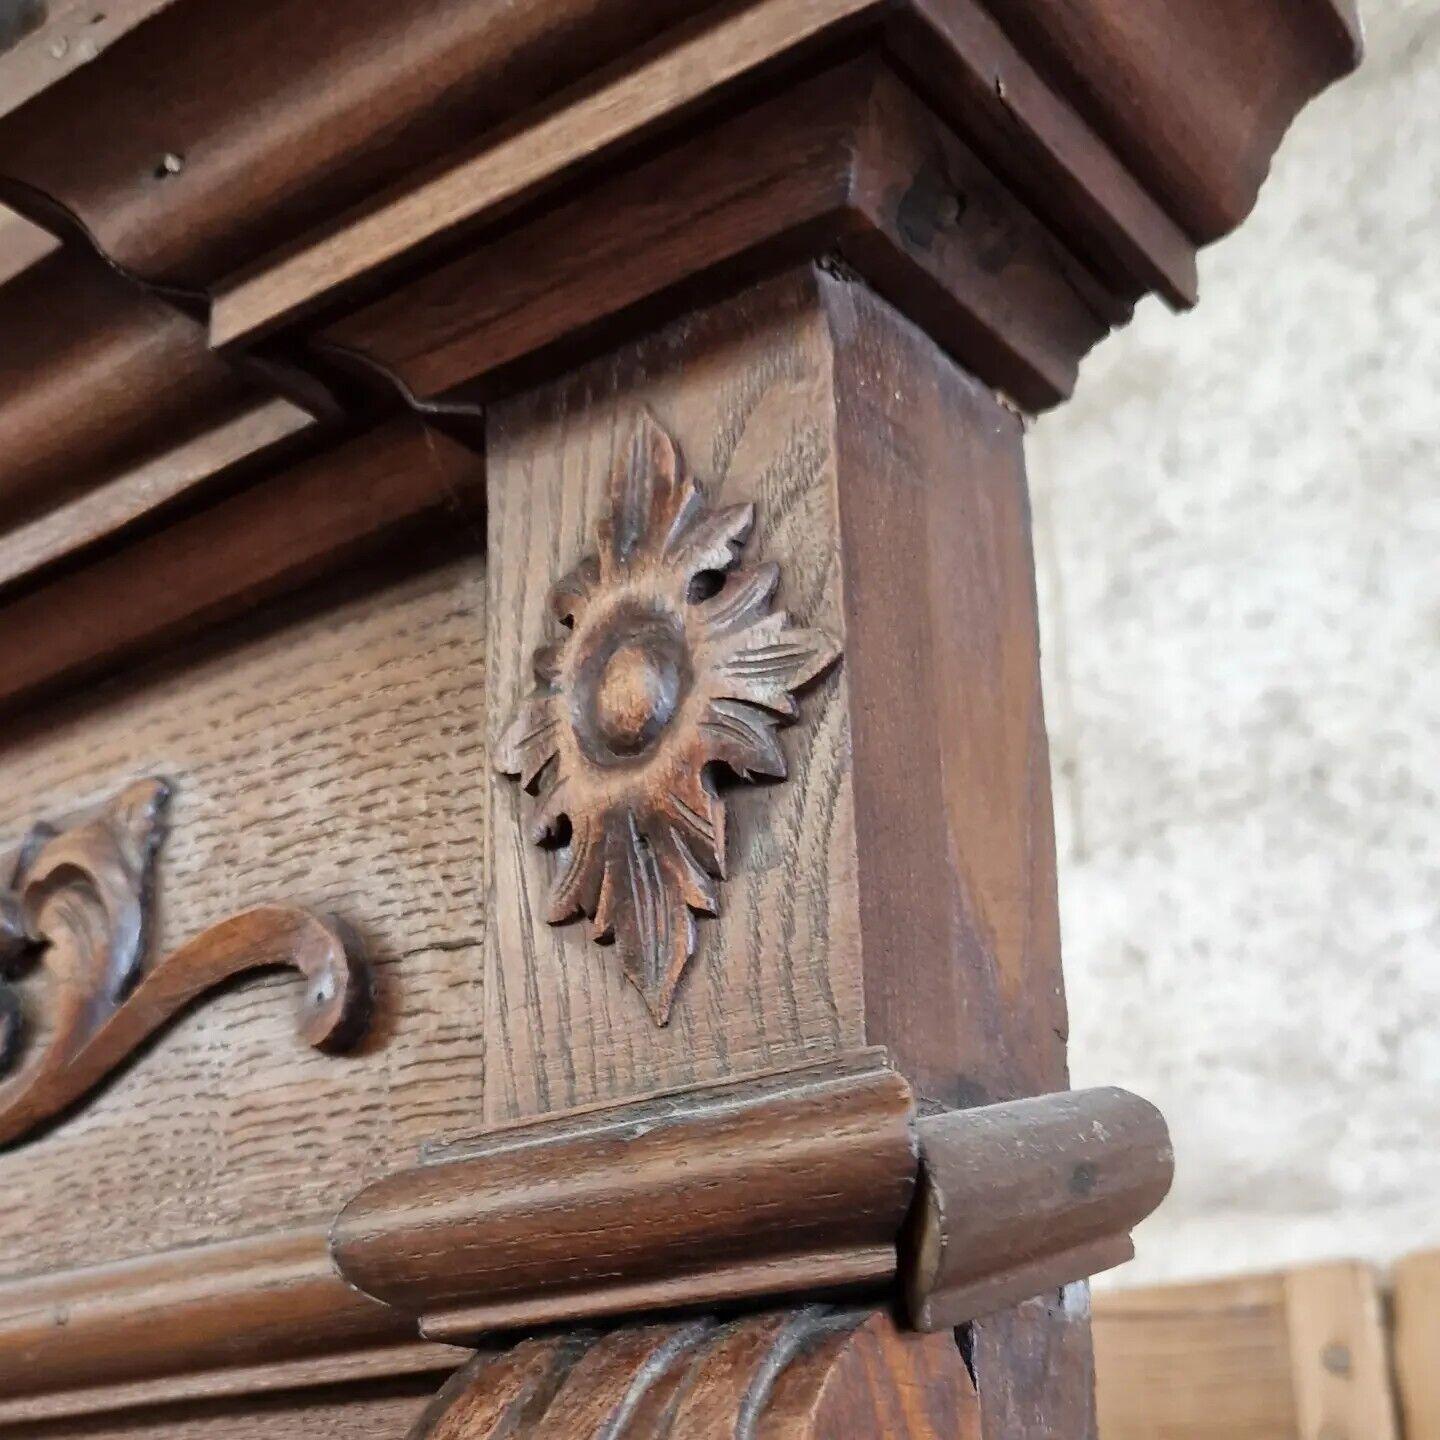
(1339, 1353)
(286, 114)
(852, 163)
(327, 756)
(356, 1412)
(277, 535)
(1416, 1289)
(692, 66)
(956, 880)
(98, 377)
(152, 485)
(1301, 1355)
(1208, 1361)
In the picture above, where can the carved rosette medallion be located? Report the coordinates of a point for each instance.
(673, 670)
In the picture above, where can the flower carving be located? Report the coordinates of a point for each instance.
(672, 670)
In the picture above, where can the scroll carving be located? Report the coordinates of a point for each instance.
(674, 668)
(78, 910)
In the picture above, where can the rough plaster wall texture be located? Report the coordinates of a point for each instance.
(1238, 527)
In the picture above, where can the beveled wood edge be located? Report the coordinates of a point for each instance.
(285, 530)
(820, 1274)
(852, 165)
(387, 1362)
(983, 80)
(136, 495)
(519, 163)
(22, 243)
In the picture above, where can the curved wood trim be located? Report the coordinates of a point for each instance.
(791, 1182)
(272, 1299)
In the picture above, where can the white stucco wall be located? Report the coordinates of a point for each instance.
(1238, 532)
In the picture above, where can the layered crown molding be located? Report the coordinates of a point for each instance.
(425, 206)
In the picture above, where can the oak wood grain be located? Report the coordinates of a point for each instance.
(956, 881)
(695, 62)
(73, 1059)
(1300, 1355)
(142, 492)
(744, 389)
(850, 162)
(328, 759)
(1415, 1287)
(272, 537)
(796, 1183)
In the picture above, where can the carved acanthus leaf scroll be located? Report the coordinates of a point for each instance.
(673, 665)
(78, 909)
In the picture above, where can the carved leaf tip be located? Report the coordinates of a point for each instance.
(656, 680)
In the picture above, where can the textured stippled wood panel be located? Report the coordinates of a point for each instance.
(745, 391)
(330, 762)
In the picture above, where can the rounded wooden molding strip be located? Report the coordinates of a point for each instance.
(800, 1182)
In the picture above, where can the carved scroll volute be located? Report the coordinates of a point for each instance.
(79, 910)
(672, 665)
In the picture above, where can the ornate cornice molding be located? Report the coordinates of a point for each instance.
(671, 665)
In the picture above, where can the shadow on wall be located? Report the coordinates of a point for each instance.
(18, 18)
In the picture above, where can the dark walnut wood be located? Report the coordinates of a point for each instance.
(81, 906)
(676, 668)
(277, 534)
(1024, 1197)
(813, 1373)
(802, 1182)
(795, 1182)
